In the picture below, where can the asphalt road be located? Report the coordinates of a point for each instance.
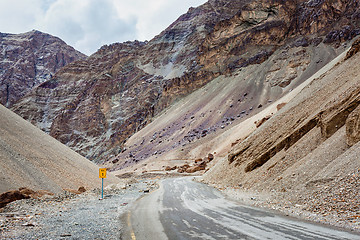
(184, 209)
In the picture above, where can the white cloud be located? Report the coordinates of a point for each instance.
(86, 24)
(153, 16)
(89, 24)
(19, 16)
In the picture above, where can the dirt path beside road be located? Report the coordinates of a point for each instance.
(70, 216)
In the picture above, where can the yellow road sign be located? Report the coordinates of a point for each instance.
(102, 172)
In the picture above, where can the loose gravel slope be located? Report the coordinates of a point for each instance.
(30, 158)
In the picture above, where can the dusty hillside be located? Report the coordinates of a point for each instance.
(217, 115)
(30, 158)
(269, 47)
(307, 153)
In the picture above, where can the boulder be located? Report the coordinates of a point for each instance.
(280, 106)
(11, 196)
(27, 191)
(168, 168)
(260, 122)
(198, 167)
(202, 164)
(195, 169)
(183, 168)
(198, 160)
(81, 190)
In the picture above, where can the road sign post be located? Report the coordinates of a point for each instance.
(102, 175)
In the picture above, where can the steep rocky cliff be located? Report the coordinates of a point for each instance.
(267, 47)
(29, 59)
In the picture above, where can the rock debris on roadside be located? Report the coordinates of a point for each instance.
(72, 216)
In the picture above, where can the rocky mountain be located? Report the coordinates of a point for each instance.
(240, 55)
(28, 60)
(298, 154)
(306, 156)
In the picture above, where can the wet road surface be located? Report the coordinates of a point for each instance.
(184, 209)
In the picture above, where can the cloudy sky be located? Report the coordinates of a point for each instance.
(89, 24)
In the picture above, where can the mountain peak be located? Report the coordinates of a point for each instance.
(267, 47)
(29, 59)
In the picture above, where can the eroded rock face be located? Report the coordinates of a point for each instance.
(29, 59)
(95, 105)
(353, 127)
(355, 48)
(94, 102)
(175, 51)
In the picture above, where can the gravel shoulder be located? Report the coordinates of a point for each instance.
(84, 216)
(71, 216)
(325, 206)
(184, 209)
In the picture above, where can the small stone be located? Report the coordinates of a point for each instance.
(82, 189)
(29, 224)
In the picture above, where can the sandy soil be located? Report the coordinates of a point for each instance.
(33, 159)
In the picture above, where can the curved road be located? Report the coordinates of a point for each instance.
(184, 209)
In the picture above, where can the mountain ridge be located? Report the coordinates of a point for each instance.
(264, 101)
(29, 59)
(105, 99)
